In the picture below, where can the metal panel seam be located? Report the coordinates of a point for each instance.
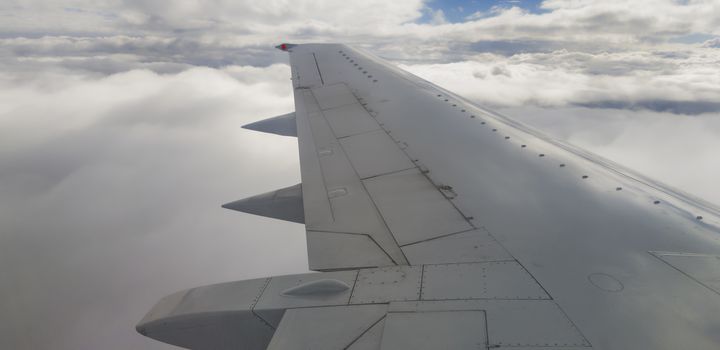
(257, 299)
(364, 332)
(318, 69)
(438, 237)
(359, 234)
(315, 151)
(357, 274)
(683, 272)
(377, 209)
(387, 173)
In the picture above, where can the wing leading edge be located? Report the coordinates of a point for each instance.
(449, 226)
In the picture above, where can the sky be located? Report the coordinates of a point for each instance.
(120, 128)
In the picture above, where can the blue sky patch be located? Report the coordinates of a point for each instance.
(457, 11)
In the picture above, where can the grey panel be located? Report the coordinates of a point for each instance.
(387, 284)
(281, 125)
(559, 347)
(569, 231)
(211, 331)
(413, 208)
(211, 317)
(273, 300)
(371, 339)
(448, 330)
(703, 268)
(332, 96)
(375, 153)
(330, 250)
(351, 208)
(305, 69)
(314, 193)
(511, 323)
(488, 280)
(471, 246)
(240, 295)
(350, 120)
(563, 228)
(322, 328)
(284, 204)
(530, 323)
(319, 287)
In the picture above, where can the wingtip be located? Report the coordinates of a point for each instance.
(285, 46)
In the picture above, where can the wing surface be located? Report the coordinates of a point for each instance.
(442, 225)
(433, 179)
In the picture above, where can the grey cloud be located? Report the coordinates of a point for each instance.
(499, 70)
(120, 53)
(512, 47)
(676, 149)
(112, 200)
(670, 106)
(680, 83)
(715, 43)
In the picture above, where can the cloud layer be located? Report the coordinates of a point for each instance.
(120, 129)
(111, 190)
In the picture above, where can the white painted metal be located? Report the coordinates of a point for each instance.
(432, 330)
(284, 125)
(333, 96)
(210, 317)
(371, 339)
(314, 192)
(472, 246)
(323, 328)
(702, 268)
(284, 204)
(375, 153)
(530, 323)
(349, 120)
(413, 208)
(272, 303)
(305, 71)
(382, 285)
(511, 323)
(318, 287)
(340, 199)
(552, 209)
(487, 280)
(330, 250)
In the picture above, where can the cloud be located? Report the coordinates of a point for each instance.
(683, 84)
(111, 190)
(678, 150)
(223, 32)
(120, 129)
(438, 17)
(715, 42)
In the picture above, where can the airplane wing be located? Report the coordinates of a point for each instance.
(439, 224)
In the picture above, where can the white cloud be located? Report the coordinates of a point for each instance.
(712, 43)
(111, 190)
(119, 129)
(634, 79)
(678, 150)
(438, 17)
